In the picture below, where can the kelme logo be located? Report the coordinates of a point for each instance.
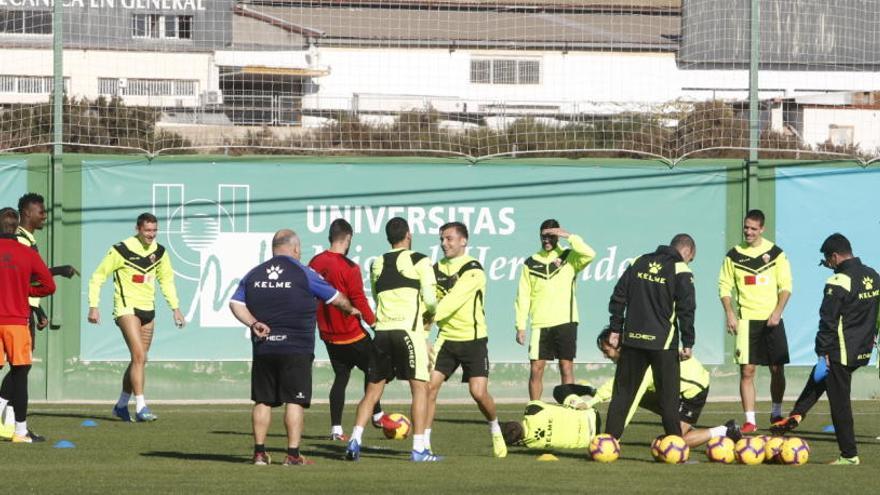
(654, 268)
(868, 282)
(274, 272)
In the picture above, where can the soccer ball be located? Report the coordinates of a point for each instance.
(750, 450)
(721, 450)
(401, 427)
(604, 448)
(674, 450)
(772, 447)
(655, 449)
(795, 451)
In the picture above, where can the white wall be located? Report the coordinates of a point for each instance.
(865, 123)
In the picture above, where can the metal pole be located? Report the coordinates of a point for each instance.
(54, 355)
(754, 104)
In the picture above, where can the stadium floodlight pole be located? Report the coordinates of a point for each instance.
(56, 176)
(754, 104)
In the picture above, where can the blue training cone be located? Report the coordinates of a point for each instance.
(89, 423)
(64, 444)
(828, 429)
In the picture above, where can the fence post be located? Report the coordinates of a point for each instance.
(754, 105)
(54, 351)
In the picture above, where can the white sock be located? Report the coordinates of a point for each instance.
(776, 409)
(418, 443)
(357, 433)
(123, 399)
(336, 430)
(750, 417)
(3, 404)
(21, 428)
(718, 431)
(10, 416)
(140, 402)
(494, 427)
(428, 438)
(378, 415)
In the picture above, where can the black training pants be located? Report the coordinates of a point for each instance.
(838, 385)
(631, 368)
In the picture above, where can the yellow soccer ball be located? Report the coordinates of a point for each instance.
(750, 450)
(674, 450)
(721, 450)
(396, 427)
(655, 449)
(604, 448)
(772, 448)
(795, 451)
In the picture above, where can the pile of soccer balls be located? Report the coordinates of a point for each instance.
(752, 451)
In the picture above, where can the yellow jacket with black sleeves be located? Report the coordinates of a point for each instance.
(848, 317)
(758, 274)
(404, 289)
(135, 269)
(28, 239)
(461, 289)
(547, 285)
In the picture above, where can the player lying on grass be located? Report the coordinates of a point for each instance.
(693, 392)
(568, 425)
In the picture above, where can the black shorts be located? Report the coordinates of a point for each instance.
(145, 316)
(471, 355)
(344, 357)
(559, 342)
(398, 354)
(689, 409)
(761, 345)
(278, 379)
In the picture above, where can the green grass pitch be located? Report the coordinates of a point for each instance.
(206, 449)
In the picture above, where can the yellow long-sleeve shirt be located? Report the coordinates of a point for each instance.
(28, 239)
(135, 268)
(547, 285)
(461, 290)
(758, 274)
(404, 288)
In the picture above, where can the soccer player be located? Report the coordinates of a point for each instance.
(568, 425)
(462, 339)
(760, 273)
(22, 274)
(277, 301)
(348, 345)
(693, 390)
(136, 264)
(32, 217)
(652, 307)
(546, 296)
(404, 287)
(849, 321)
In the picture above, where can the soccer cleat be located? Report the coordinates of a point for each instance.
(749, 428)
(499, 448)
(353, 452)
(338, 437)
(122, 413)
(6, 432)
(846, 461)
(145, 415)
(297, 461)
(733, 431)
(31, 437)
(261, 459)
(776, 419)
(424, 456)
(380, 422)
(786, 425)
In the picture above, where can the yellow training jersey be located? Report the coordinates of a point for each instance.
(28, 239)
(549, 426)
(135, 269)
(547, 285)
(461, 291)
(758, 274)
(404, 289)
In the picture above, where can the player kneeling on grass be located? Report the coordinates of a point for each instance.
(694, 390)
(463, 338)
(277, 300)
(569, 425)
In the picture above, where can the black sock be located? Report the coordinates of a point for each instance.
(293, 451)
(259, 448)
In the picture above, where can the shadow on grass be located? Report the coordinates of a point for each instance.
(45, 414)
(273, 435)
(457, 421)
(198, 456)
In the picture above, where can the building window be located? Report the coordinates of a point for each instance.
(841, 135)
(114, 86)
(505, 71)
(30, 84)
(155, 26)
(25, 22)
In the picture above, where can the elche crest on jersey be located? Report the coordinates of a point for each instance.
(765, 258)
